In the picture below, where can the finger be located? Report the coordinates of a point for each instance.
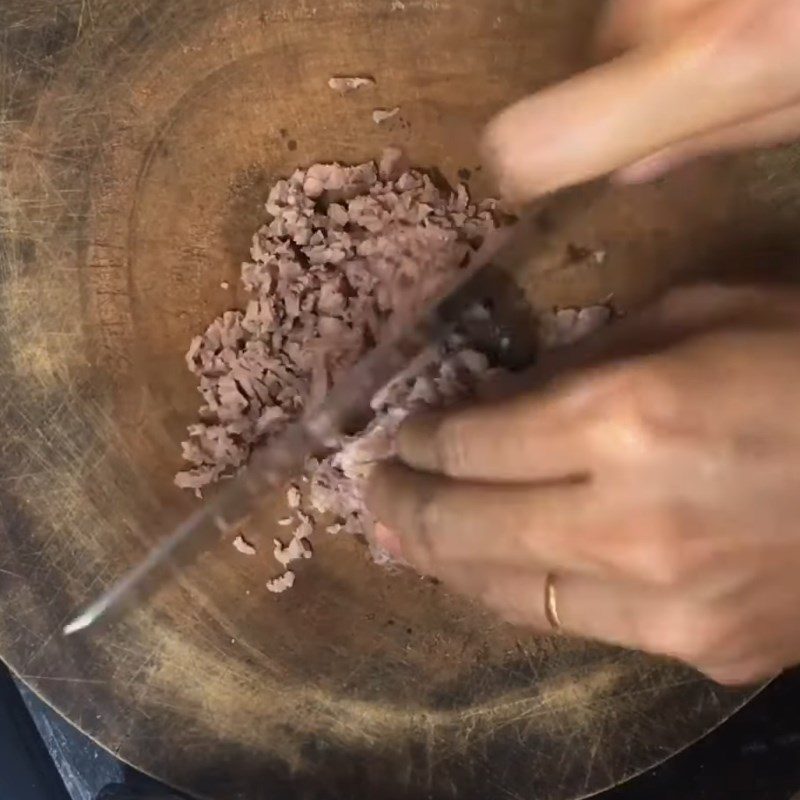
(629, 23)
(596, 404)
(517, 598)
(629, 616)
(444, 526)
(528, 438)
(583, 425)
(388, 540)
(616, 612)
(649, 99)
(587, 607)
(779, 127)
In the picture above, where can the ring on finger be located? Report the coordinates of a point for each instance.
(551, 602)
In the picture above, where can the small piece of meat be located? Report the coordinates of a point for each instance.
(282, 583)
(566, 326)
(591, 319)
(305, 526)
(349, 84)
(394, 162)
(293, 496)
(196, 479)
(269, 417)
(243, 546)
(382, 115)
(297, 549)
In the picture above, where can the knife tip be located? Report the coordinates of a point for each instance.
(81, 622)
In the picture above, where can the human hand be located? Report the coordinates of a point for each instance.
(694, 77)
(662, 491)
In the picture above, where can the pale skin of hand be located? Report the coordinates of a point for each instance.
(661, 486)
(690, 77)
(663, 490)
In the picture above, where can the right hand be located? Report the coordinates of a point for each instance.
(693, 77)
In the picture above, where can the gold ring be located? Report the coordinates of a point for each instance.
(551, 602)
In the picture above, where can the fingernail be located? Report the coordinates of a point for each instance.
(388, 540)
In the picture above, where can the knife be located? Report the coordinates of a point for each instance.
(273, 464)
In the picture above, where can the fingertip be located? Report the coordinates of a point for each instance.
(503, 146)
(388, 540)
(561, 136)
(378, 499)
(598, 122)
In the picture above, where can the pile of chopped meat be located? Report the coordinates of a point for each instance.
(344, 251)
(453, 371)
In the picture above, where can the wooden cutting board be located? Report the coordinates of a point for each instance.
(139, 140)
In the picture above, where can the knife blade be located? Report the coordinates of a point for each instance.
(273, 464)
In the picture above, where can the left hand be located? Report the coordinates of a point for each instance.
(662, 491)
(694, 77)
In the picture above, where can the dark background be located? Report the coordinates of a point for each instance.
(756, 755)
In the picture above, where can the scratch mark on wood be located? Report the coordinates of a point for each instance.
(62, 679)
(10, 573)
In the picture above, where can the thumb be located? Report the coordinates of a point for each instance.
(732, 63)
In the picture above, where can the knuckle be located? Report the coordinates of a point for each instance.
(426, 521)
(653, 400)
(663, 552)
(685, 632)
(450, 442)
(704, 634)
(642, 405)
